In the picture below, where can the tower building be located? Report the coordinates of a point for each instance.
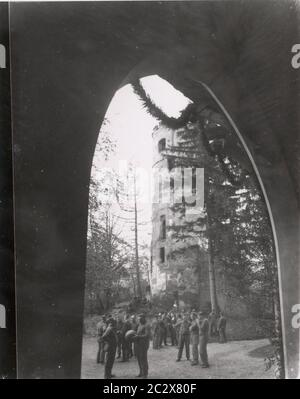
(177, 258)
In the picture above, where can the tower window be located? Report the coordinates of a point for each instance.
(162, 255)
(163, 227)
(194, 181)
(161, 145)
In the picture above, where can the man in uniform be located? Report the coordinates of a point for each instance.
(142, 340)
(184, 338)
(168, 325)
(119, 328)
(155, 332)
(160, 330)
(222, 328)
(194, 332)
(172, 329)
(110, 347)
(125, 343)
(101, 327)
(134, 326)
(203, 337)
(163, 330)
(177, 325)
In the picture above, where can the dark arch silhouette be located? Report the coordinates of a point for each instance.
(63, 78)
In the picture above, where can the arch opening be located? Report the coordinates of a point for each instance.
(205, 196)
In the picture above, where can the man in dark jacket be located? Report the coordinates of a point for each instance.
(184, 338)
(110, 347)
(119, 328)
(155, 332)
(177, 325)
(134, 326)
(194, 332)
(163, 330)
(125, 343)
(142, 340)
(203, 338)
(101, 327)
(212, 320)
(222, 328)
(172, 323)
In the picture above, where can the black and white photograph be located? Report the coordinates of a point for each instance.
(154, 190)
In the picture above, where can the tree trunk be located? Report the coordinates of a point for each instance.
(211, 264)
(137, 267)
(198, 276)
(211, 274)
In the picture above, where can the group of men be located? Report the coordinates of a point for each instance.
(185, 329)
(117, 340)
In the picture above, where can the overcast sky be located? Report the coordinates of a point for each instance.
(130, 126)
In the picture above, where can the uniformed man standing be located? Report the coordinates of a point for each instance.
(194, 332)
(125, 343)
(101, 327)
(168, 326)
(172, 330)
(222, 328)
(177, 325)
(203, 338)
(155, 332)
(134, 326)
(184, 338)
(110, 347)
(119, 328)
(142, 340)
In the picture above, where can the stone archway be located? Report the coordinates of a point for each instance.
(68, 74)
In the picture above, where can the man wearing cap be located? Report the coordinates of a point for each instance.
(177, 325)
(203, 338)
(160, 330)
(212, 320)
(125, 344)
(222, 329)
(119, 328)
(194, 331)
(134, 326)
(163, 330)
(172, 330)
(110, 347)
(184, 338)
(142, 340)
(101, 327)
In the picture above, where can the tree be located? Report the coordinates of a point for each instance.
(128, 202)
(235, 209)
(107, 253)
(236, 213)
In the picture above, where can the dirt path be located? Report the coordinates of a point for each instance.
(238, 359)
